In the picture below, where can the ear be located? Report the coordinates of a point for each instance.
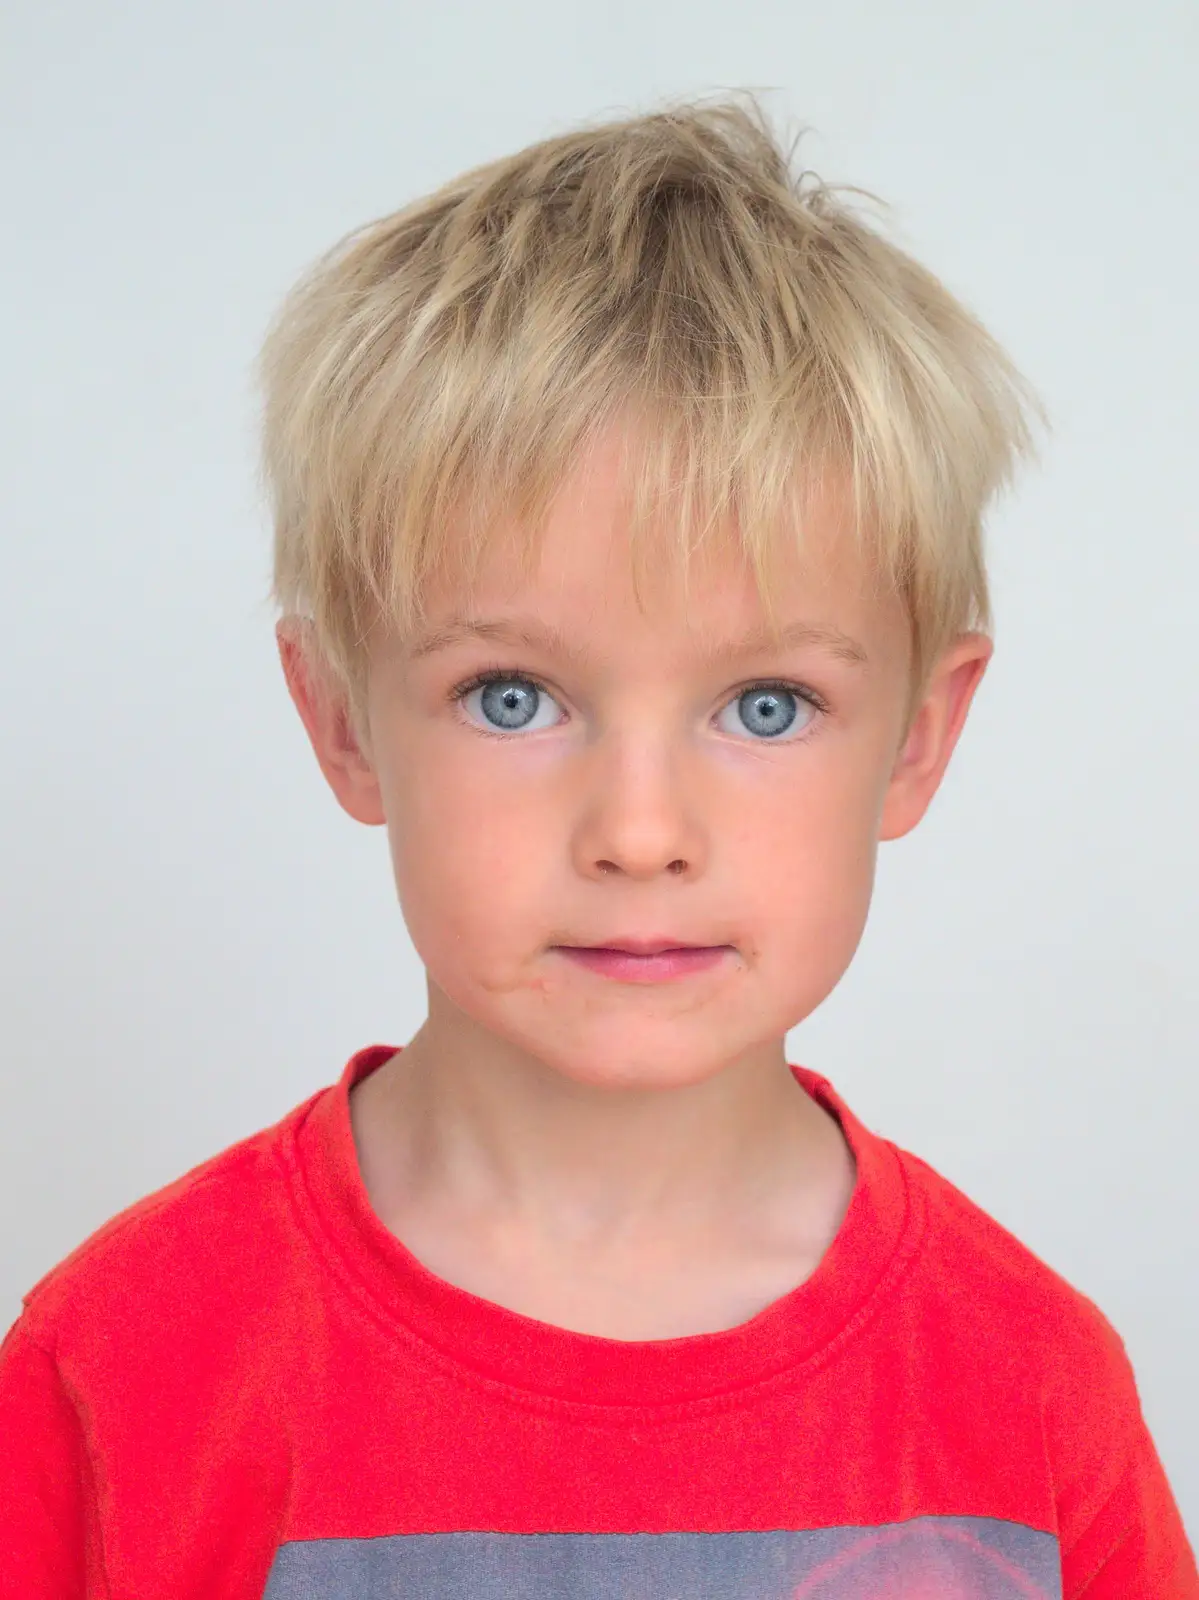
(933, 734)
(325, 712)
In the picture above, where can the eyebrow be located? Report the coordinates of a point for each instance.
(540, 635)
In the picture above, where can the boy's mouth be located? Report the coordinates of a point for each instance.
(641, 947)
(645, 960)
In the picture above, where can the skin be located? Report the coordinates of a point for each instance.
(624, 1159)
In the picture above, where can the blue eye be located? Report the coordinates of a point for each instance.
(768, 710)
(509, 702)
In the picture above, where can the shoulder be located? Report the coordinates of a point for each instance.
(1006, 1306)
(1035, 1347)
(220, 1232)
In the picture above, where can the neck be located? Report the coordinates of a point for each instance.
(463, 1123)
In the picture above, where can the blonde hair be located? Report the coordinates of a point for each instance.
(443, 367)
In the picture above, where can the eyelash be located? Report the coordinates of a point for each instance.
(494, 674)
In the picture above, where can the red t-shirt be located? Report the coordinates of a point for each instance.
(244, 1385)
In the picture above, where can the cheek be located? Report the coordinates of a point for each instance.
(806, 869)
(468, 865)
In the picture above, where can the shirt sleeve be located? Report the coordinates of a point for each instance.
(44, 1478)
(1135, 1547)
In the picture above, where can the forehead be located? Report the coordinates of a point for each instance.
(576, 579)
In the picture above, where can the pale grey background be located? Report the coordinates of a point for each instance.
(195, 936)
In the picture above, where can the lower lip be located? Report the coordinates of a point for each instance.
(646, 969)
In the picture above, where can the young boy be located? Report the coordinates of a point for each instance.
(628, 498)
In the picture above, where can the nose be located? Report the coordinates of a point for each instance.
(639, 810)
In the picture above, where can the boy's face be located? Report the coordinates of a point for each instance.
(636, 774)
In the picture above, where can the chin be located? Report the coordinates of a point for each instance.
(636, 1053)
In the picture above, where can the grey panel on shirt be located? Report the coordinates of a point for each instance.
(928, 1558)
